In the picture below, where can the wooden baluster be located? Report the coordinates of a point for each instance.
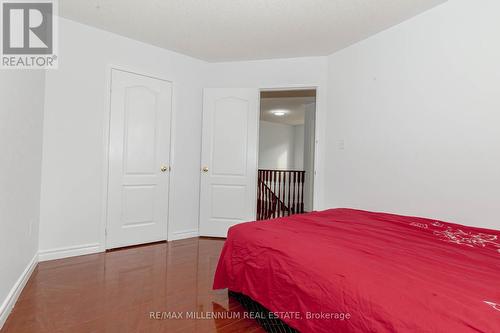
(261, 189)
(271, 195)
(279, 195)
(290, 206)
(270, 210)
(283, 186)
(278, 201)
(282, 195)
(271, 198)
(294, 209)
(290, 193)
(302, 193)
(276, 197)
(263, 204)
(263, 210)
(297, 201)
(289, 188)
(258, 195)
(297, 204)
(299, 190)
(273, 184)
(269, 186)
(266, 194)
(263, 194)
(264, 213)
(285, 207)
(280, 191)
(294, 185)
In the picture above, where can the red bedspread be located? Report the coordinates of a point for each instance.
(390, 273)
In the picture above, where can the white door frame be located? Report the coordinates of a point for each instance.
(318, 132)
(106, 142)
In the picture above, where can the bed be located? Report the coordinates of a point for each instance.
(345, 270)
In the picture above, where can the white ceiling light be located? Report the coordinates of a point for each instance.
(279, 113)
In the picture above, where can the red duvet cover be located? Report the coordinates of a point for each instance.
(345, 270)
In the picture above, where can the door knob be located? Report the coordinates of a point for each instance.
(164, 168)
(205, 169)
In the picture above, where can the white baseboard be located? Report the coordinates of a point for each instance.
(183, 234)
(70, 251)
(11, 299)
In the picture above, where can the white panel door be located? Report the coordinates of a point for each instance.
(139, 157)
(229, 159)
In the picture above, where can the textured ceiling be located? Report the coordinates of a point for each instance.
(230, 30)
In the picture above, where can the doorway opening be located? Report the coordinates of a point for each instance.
(286, 153)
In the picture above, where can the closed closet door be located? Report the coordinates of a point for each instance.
(139, 157)
(229, 159)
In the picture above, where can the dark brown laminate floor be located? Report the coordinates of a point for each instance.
(116, 291)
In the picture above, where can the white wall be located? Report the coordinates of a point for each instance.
(309, 129)
(21, 115)
(418, 108)
(281, 146)
(72, 218)
(74, 141)
(281, 73)
(298, 145)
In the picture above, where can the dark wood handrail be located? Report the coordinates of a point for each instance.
(280, 193)
(281, 170)
(275, 202)
(268, 205)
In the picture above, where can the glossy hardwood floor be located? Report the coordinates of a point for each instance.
(117, 291)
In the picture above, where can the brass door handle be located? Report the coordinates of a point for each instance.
(205, 169)
(164, 168)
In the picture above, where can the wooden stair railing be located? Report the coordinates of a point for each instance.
(270, 203)
(280, 193)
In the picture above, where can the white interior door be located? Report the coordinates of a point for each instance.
(139, 157)
(229, 159)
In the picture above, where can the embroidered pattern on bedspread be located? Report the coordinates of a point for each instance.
(458, 236)
(493, 305)
(470, 239)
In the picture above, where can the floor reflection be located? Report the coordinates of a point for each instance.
(165, 287)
